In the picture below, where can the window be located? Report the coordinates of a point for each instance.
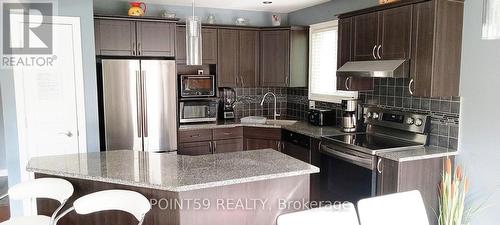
(491, 19)
(323, 64)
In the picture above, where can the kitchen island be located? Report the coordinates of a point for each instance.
(250, 187)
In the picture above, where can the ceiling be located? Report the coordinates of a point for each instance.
(278, 6)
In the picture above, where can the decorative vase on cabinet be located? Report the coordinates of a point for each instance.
(136, 9)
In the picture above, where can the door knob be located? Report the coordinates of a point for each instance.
(67, 133)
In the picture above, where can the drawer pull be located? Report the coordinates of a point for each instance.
(227, 133)
(195, 136)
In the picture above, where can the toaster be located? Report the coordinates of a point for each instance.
(322, 117)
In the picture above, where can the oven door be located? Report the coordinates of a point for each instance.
(195, 86)
(346, 175)
(198, 111)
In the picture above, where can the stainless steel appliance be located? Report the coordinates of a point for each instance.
(296, 145)
(197, 86)
(138, 105)
(226, 106)
(377, 68)
(198, 110)
(322, 117)
(351, 116)
(349, 163)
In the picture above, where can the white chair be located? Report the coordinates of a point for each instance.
(50, 188)
(395, 209)
(121, 200)
(341, 214)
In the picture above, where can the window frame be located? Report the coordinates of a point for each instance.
(339, 95)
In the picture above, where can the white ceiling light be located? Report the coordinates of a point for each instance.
(193, 40)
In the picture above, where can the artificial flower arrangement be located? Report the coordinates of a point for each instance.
(453, 190)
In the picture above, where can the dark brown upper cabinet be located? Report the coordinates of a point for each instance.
(365, 37)
(209, 45)
(344, 55)
(395, 33)
(227, 68)
(436, 50)
(238, 53)
(155, 39)
(383, 35)
(284, 57)
(116, 37)
(427, 33)
(249, 58)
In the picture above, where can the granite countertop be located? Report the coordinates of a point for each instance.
(419, 153)
(172, 172)
(301, 127)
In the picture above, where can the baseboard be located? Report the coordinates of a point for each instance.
(3, 173)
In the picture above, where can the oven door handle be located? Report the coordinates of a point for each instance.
(360, 161)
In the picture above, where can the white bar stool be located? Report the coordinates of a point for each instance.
(342, 214)
(121, 200)
(395, 209)
(50, 188)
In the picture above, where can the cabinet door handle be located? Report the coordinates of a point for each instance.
(210, 149)
(227, 133)
(133, 48)
(195, 136)
(236, 81)
(412, 81)
(373, 52)
(287, 80)
(242, 81)
(378, 51)
(379, 169)
(215, 147)
(348, 83)
(139, 48)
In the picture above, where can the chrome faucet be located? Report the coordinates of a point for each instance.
(275, 102)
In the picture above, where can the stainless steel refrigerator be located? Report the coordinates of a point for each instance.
(138, 105)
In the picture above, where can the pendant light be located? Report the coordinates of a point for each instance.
(193, 40)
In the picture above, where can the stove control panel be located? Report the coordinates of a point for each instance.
(406, 121)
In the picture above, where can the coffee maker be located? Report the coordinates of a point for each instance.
(352, 117)
(226, 107)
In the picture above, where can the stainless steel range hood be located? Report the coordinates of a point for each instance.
(378, 68)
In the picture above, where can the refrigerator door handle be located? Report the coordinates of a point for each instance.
(138, 92)
(144, 104)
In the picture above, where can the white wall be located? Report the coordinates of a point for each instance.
(479, 130)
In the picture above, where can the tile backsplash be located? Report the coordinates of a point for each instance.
(444, 112)
(248, 102)
(388, 93)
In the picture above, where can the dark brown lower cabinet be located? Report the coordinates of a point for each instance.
(195, 148)
(423, 175)
(231, 145)
(254, 144)
(261, 138)
(315, 182)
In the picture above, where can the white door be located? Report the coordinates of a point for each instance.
(50, 100)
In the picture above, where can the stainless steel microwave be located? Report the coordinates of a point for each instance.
(196, 111)
(197, 86)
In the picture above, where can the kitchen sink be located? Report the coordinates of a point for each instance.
(263, 120)
(281, 122)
